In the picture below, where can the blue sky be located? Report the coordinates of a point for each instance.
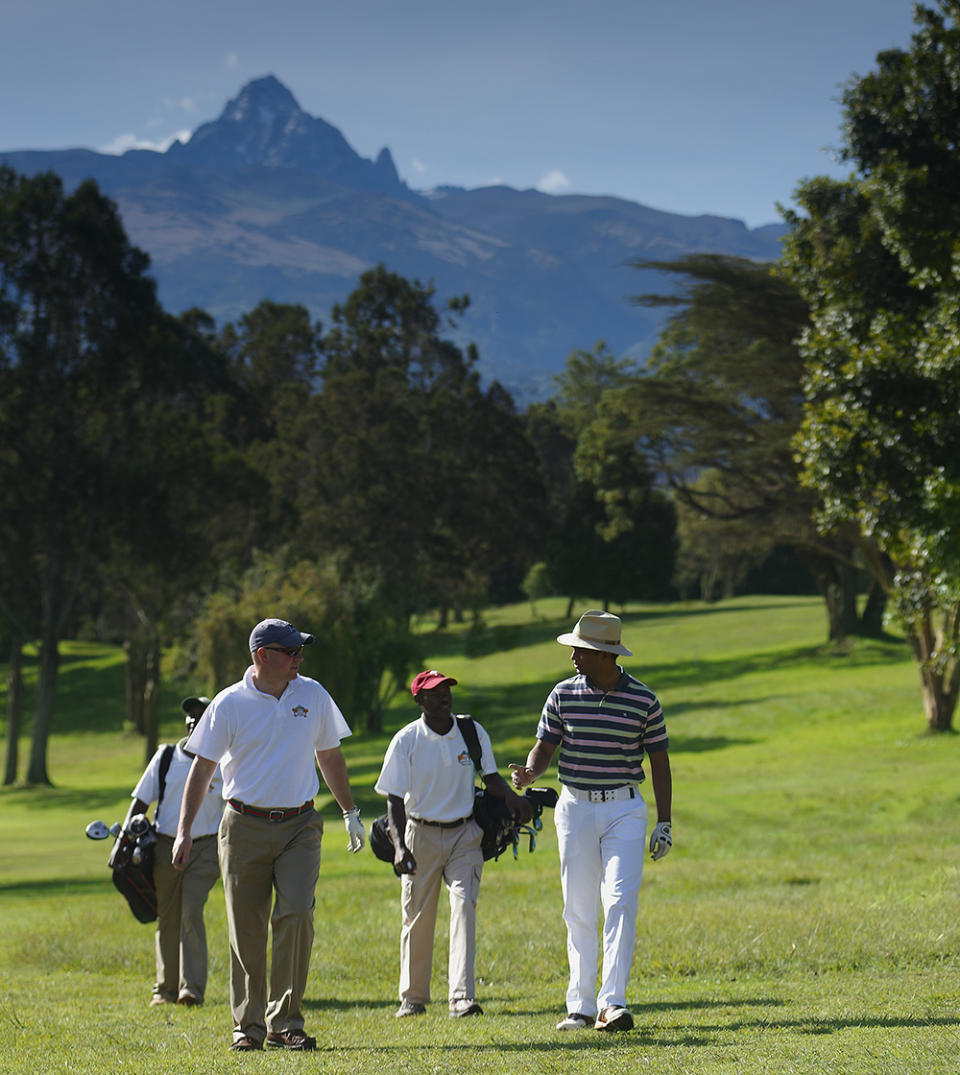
(692, 106)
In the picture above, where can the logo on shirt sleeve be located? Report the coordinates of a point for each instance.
(300, 710)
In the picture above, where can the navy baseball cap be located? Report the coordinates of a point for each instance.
(192, 702)
(277, 633)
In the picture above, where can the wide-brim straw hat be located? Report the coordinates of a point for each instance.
(596, 630)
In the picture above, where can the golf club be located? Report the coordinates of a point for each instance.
(98, 830)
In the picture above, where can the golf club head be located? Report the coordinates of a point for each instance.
(97, 830)
(542, 797)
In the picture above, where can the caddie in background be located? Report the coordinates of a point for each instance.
(181, 940)
(428, 778)
(270, 732)
(604, 721)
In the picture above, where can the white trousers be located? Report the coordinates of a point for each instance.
(601, 864)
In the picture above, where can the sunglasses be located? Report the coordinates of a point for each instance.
(290, 651)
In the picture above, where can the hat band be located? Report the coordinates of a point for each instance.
(597, 641)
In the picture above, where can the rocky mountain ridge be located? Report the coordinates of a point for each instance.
(268, 202)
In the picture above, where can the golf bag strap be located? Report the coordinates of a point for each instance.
(469, 732)
(165, 760)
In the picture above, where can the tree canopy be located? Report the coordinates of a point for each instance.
(876, 258)
(100, 396)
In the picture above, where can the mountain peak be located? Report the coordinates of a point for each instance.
(261, 100)
(264, 126)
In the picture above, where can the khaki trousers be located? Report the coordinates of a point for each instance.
(181, 940)
(454, 856)
(266, 862)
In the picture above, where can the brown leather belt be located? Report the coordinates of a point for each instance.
(280, 813)
(442, 824)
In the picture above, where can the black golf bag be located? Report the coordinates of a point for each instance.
(131, 859)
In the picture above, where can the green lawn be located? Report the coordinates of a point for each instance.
(807, 919)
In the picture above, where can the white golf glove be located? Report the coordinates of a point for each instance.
(661, 841)
(354, 827)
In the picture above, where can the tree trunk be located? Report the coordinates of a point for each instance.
(939, 695)
(135, 683)
(837, 585)
(708, 585)
(151, 697)
(939, 672)
(14, 710)
(43, 715)
(871, 619)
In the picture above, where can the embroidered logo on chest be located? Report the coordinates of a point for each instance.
(463, 758)
(299, 710)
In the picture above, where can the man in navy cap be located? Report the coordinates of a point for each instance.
(265, 732)
(427, 776)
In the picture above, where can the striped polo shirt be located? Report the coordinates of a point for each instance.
(602, 735)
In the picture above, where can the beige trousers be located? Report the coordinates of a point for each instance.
(266, 862)
(181, 940)
(453, 856)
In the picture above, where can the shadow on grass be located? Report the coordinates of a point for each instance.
(828, 1026)
(481, 639)
(686, 1036)
(514, 709)
(68, 886)
(661, 678)
(322, 1004)
(40, 797)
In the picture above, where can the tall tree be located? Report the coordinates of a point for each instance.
(187, 512)
(876, 257)
(412, 468)
(721, 398)
(364, 651)
(612, 533)
(90, 364)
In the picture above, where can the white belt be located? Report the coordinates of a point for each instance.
(602, 795)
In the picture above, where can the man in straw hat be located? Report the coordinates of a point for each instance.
(604, 721)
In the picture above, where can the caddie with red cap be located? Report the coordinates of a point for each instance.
(425, 681)
(428, 779)
(604, 721)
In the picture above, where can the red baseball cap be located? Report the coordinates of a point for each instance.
(424, 681)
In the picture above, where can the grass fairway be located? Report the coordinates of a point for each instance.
(807, 919)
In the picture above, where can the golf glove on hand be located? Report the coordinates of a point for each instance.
(661, 841)
(354, 827)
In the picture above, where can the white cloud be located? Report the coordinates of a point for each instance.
(123, 142)
(418, 166)
(185, 103)
(233, 61)
(553, 182)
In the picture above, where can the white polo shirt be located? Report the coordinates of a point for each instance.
(432, 773)
(167, 815)
(265, 745)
